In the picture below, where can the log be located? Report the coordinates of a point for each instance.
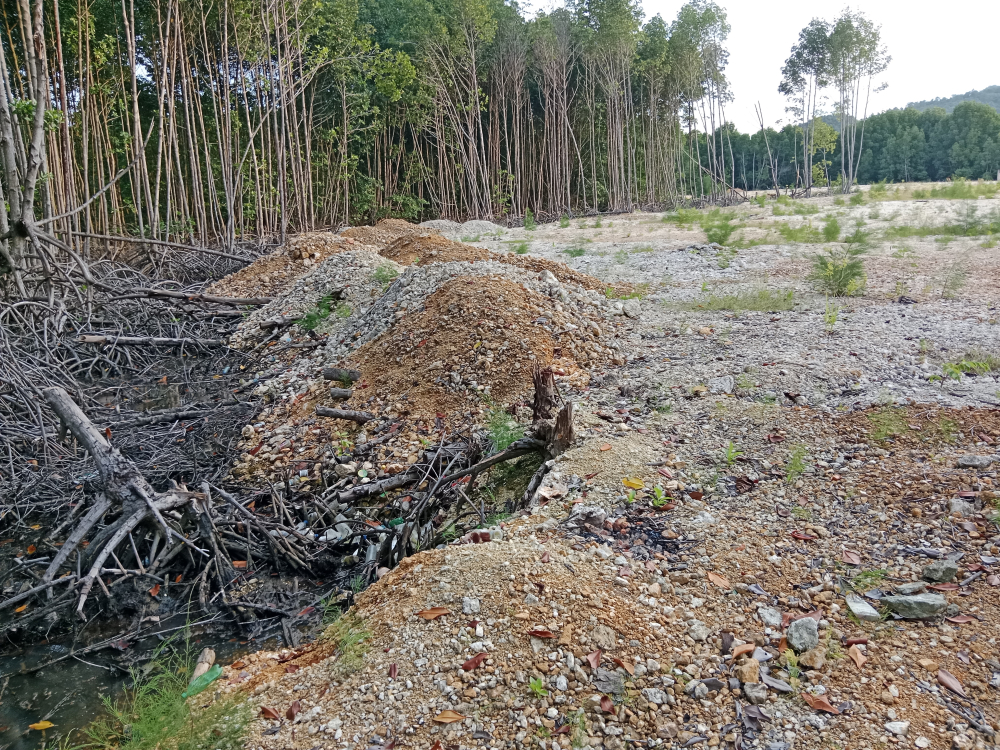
(341, 393)
(344, 376)
(354, 416)
(282, 322)
(102, 339)
(190, 297)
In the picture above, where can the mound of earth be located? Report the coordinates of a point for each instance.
(423, 249)
(382, 234)
(270, 275)
(474, 337)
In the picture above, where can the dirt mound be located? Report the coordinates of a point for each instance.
(382, 234)
(561, 271)
(423, 249)
(272, 274)
(475, 337)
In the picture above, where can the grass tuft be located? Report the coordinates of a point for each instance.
(758, 300)
(350, 635)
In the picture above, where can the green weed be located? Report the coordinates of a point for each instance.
(621, 255)
(529, 220)
(831, 229)
(537, 687)
(869, 579)
(731, 454)
(959, 189)
(521, 248)
(717, 226)
(682, 217)
(800, 513)
(760, 300)
(350, 636)
(385, 275)
(324, 307)
(858, 199)
(563, 221)
(830, 315)
(887, 422)
(575, 252)
(806, 233)
(796, 464)
(840, 272)
(503, 428)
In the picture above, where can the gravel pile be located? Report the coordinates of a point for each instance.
(352, 280)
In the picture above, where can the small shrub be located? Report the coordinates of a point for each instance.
(830, 315)
(858, 199)
(831, 229)
(502, 427)
(575, 252)
(321, 312)
(563, 221)
(796, 464)
(806, 233)
(385, 275)
(838, 201)
(349, 635)
(718, 226)
(887, 422)
(760, 300)
(954, 281)
(521, 248)
(537, 687)
(840, 272)
(878, 191)
(621, 255)
(529, 220)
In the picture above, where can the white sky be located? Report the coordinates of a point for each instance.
(938, 48)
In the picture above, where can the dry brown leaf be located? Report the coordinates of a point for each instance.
(745, 648)
(433, 613)
(950, 681)
(719, 581)
(293, 710)
(448, 717)
(624, 665)
(393, 671)
(474, 662)
(607, 706)
(545, 557)
(541, 634)
(269, 713)
(21, 608)
(851, 558)
(594, 658)
(437, 745)
(155, 591)
(32, 549)
(961, 619)
(855, 653)
(819, 703)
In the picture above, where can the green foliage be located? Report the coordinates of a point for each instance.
(973, 363)
(954, 280)
(385, 275)
(796, 464)
(830, 315)
(537, 687)
(502, 427)
(324, 307)
(529, 220)
(575, 252)
(840, 272)
(563, 221)
(521, 248)
(858, 199)
(621, 255)
(731, 454)
(761, 299)
(795, 208)
(349, 635)
(152, 715)
(717, 226)
(682, 217)
(866, 580)
(805, 233)
(887, 422)
(831, 229)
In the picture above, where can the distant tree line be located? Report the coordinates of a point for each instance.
(899, 146)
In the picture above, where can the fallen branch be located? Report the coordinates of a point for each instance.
(354, 416)
(338, 373)
(193, 297)
(103, 339)
(341, 393)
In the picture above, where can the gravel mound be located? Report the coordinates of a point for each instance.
(349, 278)
(443, 225)
(424, 249)
(478, 226)
(382, 234)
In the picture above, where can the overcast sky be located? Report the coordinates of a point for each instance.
(938, 49)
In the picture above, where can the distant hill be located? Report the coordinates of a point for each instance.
(990, 96)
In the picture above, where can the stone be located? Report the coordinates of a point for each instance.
(898, 728)
(814, 658)
(632, 309)
(963, 507)
(803, 635)
(748, 671)
(608, 682)
(470, 605)
(917, 607)
(562, 684)
(755, 693)
(667, 730)
(770, 617)
(724, 384)
(698, 631)
(345, 470)
(697, 689)
(654, 695)
(962, 742)
(862, 609)
(654, 589)
(929, 664)
(907, 589)
(922, 742)
(604, 637)
(940, 571)
(975, 462)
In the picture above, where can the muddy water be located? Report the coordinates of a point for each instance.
(70, 691)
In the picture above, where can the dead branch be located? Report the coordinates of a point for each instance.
(354, 416)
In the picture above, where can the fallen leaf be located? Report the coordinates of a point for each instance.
(851, 558)
(782, 511)
(594, 658)
(269, 713)
(541, 634)
(239, 564)
(21, 608)
(696, 495)
(293, 710)
(857, 641)
(961, 619)
(448, 717)
(993, 580)
(545, 557)
(745, 648)
(775, 438)
(606, 705)
(606, 447)
(819, 703)
(624, 665)
(719, 581)
(393, 670)
(179, 578)
(633, 484)
(855, 653)
(238, 665)
(292, 668)
(437, 745)
(32, 549)
(155, 591)
(564, 729)
(950, 681)
(433, 613)
(306, 611)
(803, 536)
(41, 725)
(474, 662)
(944, 586)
